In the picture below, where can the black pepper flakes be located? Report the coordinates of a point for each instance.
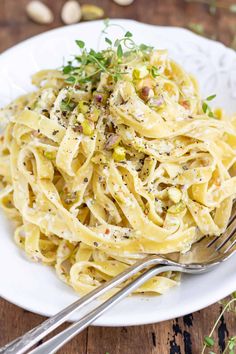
(55, 132)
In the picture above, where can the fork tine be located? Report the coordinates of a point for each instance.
(232, 218)
(230, 246)
(229, 233)
(212, 242)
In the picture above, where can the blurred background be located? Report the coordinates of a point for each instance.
(210, 18)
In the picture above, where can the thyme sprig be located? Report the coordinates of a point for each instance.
(209, 340)
(205, 106)
(88, 66)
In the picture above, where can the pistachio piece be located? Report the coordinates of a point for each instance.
(100, 97)
(140, 73)
(83, 107)
(71, 12)
(119, 154)
(39, 12)
(146, 93)
(88, 127)
(94, 114)
(112, 141)
(91, 12)
(123, 2)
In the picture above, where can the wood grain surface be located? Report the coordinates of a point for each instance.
(183, 335)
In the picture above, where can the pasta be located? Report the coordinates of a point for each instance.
(112, 158)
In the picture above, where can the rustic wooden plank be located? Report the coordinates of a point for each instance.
(184, 335)
(15, 321)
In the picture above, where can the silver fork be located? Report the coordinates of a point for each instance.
(204, 256)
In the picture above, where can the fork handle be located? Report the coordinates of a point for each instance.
(55, 343)
(21, 344)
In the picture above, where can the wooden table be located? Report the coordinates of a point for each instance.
(183, 335)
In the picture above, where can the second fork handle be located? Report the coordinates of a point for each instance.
(22, 344)
(52, 345)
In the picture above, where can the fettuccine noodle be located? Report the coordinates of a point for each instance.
(100, 173)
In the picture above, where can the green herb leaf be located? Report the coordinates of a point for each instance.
(154, 71)
(232, 343)
(119, 51)
(144, 47)
(210, 98)
(117, 42)
(67, 69)
(108, 41)
(71, 80)
(80, 43)
(205, 107)
(128, 34)
(209, 341)
(66, 106)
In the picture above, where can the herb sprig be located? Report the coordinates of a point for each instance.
(209, 340)
(205, 106)
(88, 66)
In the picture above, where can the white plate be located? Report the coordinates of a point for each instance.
(36, 287)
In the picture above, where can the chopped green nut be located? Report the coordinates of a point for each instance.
(49, 155)
(209, 341)
(94, 114)
(140, 73)
(177, 208)
(119, 154)
(88, 127)
(112, 141)
(83, 107)
(218, 113)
